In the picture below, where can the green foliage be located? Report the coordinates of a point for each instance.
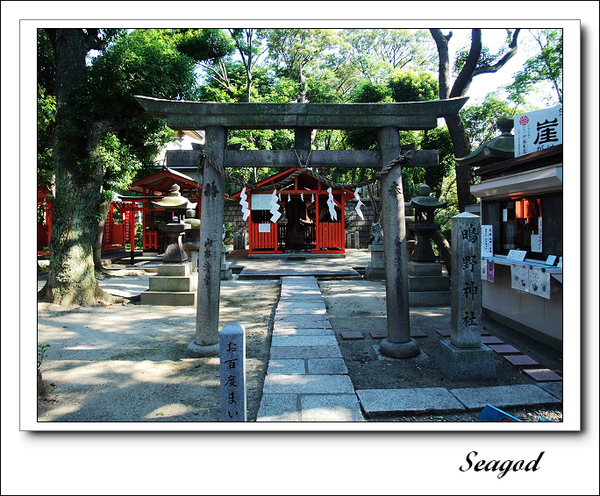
(203, 44)
(438, 139)
(46, 108)
(411, 86)
(146, 62)
(543, 68)
(480, 120)
(368, 92)
(42, 350)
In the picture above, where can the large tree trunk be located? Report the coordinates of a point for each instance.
(71, 277)
(460, 140)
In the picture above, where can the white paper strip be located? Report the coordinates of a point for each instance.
(275, 214)
(331, 205)
(358, 204)
(244, 204)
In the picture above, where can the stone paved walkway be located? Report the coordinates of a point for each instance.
(306, 378)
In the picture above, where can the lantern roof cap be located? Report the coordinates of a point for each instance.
(424, 200)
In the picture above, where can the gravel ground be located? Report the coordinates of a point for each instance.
(127, 362)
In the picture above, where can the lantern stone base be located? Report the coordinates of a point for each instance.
(466, 363)
(174, 285)
(427, 285)
(225, 272)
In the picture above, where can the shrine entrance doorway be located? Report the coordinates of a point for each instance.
(307, 223)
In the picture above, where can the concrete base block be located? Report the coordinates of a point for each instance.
(429, 283)
(424, 269)
(466, 363)
(174, 269)
(183, 299)
(173, 284)
(429, 299)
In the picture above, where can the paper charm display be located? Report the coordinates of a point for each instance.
(539, 282)
(519, 276)
(275, 214)
(331, 205)
(244, 204)
(358, 204)
(484, 270)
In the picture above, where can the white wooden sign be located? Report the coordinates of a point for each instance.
(260, 201)
(487, 241)
(538, 130)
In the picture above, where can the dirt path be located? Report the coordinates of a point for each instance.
(128, 363)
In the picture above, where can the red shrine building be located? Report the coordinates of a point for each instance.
(306, 223)
(120, 225)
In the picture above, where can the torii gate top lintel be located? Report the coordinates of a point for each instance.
(409, 116)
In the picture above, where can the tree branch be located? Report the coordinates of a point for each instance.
(498, 65)
(444, 61)
(464, 78)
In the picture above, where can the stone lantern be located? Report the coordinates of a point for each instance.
(424, 226)
(428, 286)
(175, 203)
(175, 283)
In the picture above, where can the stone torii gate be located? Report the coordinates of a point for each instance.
(387, 119)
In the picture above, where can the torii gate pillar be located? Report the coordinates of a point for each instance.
(398, 343)
(206, 341)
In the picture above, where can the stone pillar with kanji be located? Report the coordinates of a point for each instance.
(463, 356)
(206, 341)
(398, 343)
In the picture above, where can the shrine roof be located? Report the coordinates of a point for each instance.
(305, 179)
(164, 179)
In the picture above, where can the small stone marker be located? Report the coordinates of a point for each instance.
(491, 340)
(463, 356)
(232, 352)
(417, 333)
(378, 334)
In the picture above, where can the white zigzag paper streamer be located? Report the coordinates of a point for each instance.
(244, 204)
(275, 214)
(331, 205)
(358, 205)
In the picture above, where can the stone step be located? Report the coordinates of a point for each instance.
(183, 299)
(173, 284)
